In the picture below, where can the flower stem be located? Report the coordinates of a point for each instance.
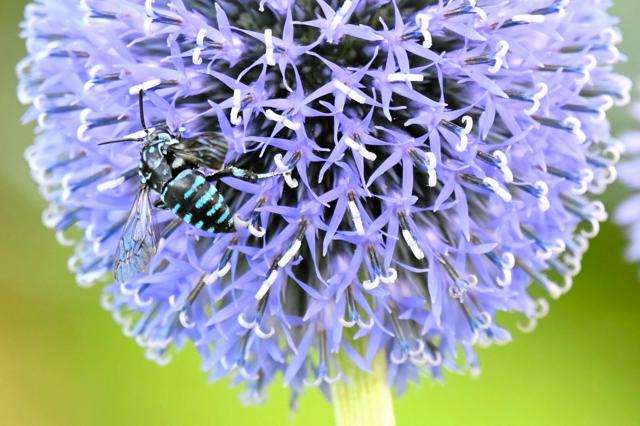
(363, 399)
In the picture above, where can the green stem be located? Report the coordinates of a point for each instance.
(363, 399)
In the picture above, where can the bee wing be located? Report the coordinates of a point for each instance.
(139, 240)
(207, 149)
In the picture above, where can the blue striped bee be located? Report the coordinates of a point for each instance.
(171, 165)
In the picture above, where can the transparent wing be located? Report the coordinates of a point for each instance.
(208, 149)
(139, 240)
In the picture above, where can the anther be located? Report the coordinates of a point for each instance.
(268, 42)
(285, 170)
(575, 126)
(137, 298)
(495, 187)
(249, 325)
(529, 19)
(217, 274)
(349, 92)
(145, 86)
(502, 48)
(409, 238)
(267, 283)
(543, 90)
(423, 21)
(355, 214)
(197, 52)
(111, 184)
(466, 131)
(236, 119)
(360, 148)
(286, 122)
(405, 78)
(338, 18)
(427, 162)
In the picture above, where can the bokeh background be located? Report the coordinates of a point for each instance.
(63, 361)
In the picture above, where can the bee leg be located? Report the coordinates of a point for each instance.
(242, 174)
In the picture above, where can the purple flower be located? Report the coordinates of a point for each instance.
(443, 154)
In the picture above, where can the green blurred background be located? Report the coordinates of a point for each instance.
(63, 361)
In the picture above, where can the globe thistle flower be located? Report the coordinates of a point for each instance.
(435, 163)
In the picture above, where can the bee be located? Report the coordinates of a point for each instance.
(172, 166)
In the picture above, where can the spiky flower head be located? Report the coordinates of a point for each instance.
(437, 161)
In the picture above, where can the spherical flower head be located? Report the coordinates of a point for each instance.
(429, 165)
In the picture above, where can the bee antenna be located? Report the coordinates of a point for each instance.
(141, 105)
(119, 141)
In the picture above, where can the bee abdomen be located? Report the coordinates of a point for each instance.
(197, 202)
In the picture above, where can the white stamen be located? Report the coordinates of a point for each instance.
(84, 115)
(413, 244)
(423, 21)
(213, 277)
(94, 70)
(261, 334)
(256, 232)
(543, 200)
(575, 125)
(286, 172)
(87, 280)
(290, 254)
(111, 184)
(244, 323)
(147, 25)
(345, 323)
(543, 89)
(361, 149)
(268, 42)
(236, 119)
(464, 140)
(391, 278)
(402, 77)
(370, 285)
(355, 215)
(529, 19)
(502, 48)
(173, 302)
(339, 16)
(505, 279)
(266, 284)
(81, 133)
(106, 301)
(240, 223)
(195, 57)
(124, 288)
(273, 116)
(150, 84)
(503, 162)
(183, 317)
(586, 177)
(148, 5)
(431, 169)
(497, 189)
(351, 93)
(201, 36)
